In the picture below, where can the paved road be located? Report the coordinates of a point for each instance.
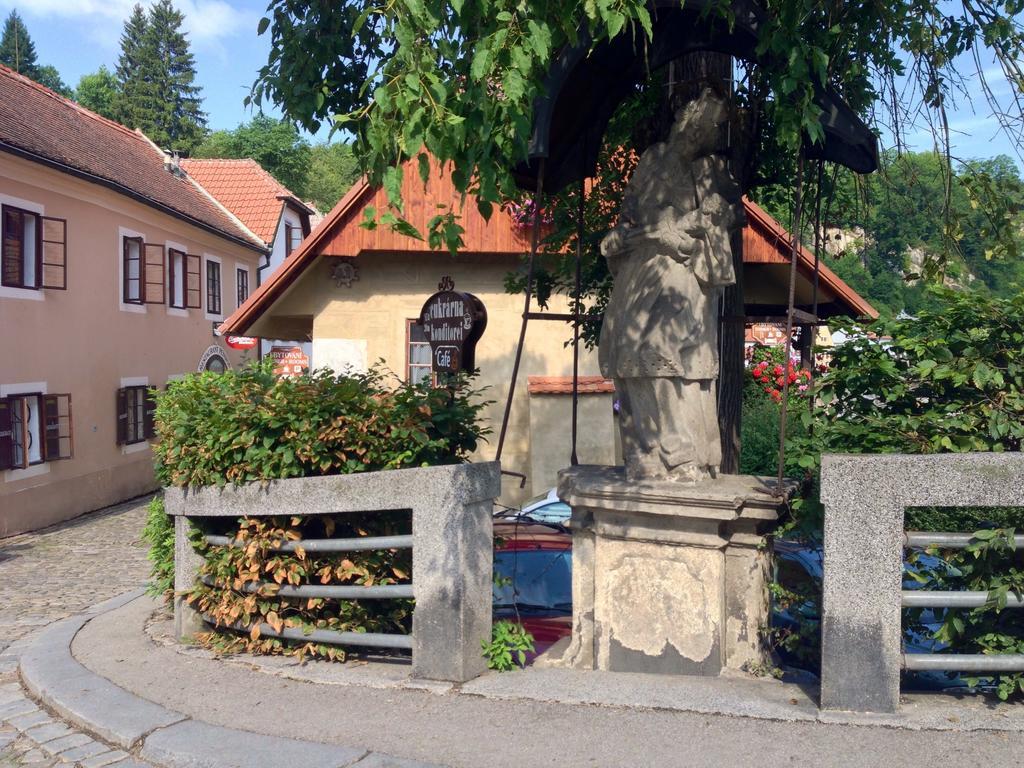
(54, 573)
(51, 574)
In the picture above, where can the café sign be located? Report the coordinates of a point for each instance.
(453, 322)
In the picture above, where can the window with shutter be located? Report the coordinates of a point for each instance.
(122, 416)
(176, 278)
(241, 284)
(54, 253)
(6, 435)
(132, 415)
(193, 282)
(149, 414)
(213, 305)
(154, 273)
(132, 277)
(59, 439)
(21, 254)
(288, 236)
(27, 430)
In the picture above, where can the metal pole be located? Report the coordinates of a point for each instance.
(966, 662)
(795, 245)
(368, 639)
(573, 457)
(360, 544)
(534, 243)
(941, 599)
(924, 539)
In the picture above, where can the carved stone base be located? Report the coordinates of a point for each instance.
(667, 578)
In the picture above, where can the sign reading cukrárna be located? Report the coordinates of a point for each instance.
(452, 322)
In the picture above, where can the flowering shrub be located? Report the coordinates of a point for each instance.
(773, 377)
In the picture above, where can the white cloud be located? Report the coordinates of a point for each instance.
(207, 22)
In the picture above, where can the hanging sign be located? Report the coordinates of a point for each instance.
(289, 361)
(453, 323)
(240, 342)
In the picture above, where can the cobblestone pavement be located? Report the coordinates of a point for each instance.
(62, 570)
(46, 576)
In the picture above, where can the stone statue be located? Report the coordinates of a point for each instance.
(670, 255)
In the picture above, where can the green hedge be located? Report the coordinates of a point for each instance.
(248, 425)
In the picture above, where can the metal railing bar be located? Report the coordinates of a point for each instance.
(360, 544)
(965, 662)
(965, 599)
(924, 539)
(328, 636)
(377, 591)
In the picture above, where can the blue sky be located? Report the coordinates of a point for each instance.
(77, 36)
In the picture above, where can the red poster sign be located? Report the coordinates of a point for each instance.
(241, 342)
(289, 361)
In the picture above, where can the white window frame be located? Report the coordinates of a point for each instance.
(168, 246)
(6, 291)
(208, 257)
(13, 390)
(122, 233)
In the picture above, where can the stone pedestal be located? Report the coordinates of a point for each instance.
(667, 578)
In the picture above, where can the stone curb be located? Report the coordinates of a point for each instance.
(158, 735)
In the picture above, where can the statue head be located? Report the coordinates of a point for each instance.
(696, 130)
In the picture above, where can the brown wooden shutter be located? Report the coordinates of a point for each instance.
(53, 259)
(122, 416)
(6, 435)
(12, 265)
(193, 282)
(58, 442)
(153, 272)
(149, 414)
(26, 430)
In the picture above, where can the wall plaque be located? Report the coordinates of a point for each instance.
(453, 322)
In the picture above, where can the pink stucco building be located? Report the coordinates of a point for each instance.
(115, 269)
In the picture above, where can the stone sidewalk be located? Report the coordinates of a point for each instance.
(46, 576)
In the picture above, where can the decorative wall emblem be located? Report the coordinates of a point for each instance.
(344, 272)
(214, 359)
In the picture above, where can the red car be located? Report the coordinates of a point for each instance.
(537, 560)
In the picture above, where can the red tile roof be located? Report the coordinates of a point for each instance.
(562, 385)
(43, 126)
(346, 214)
(245, 189)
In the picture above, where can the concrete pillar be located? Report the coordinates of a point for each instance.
(186, 570)
(452, 565)
(861, 629)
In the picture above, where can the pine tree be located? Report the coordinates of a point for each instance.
(129, 70)
(157, 75)
(17, 50)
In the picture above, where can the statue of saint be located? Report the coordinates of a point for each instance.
(670, 255)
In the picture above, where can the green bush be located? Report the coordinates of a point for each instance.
(248, 425)
(159, 534)
(510, 642)
(949, 380)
